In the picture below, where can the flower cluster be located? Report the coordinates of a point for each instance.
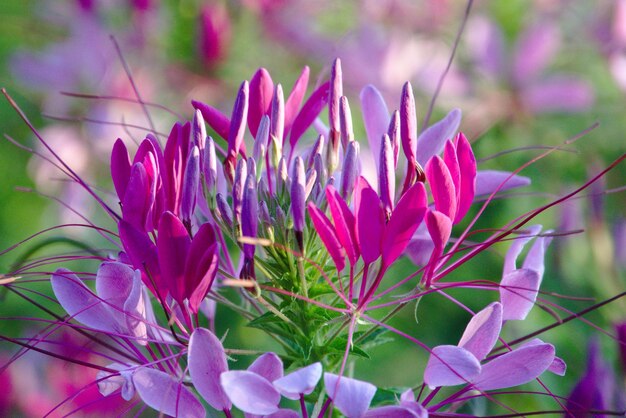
(300, 237)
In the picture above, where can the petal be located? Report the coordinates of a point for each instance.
(404, 221)
(250, 392)
(309, 112)
(166, 394)
(173, 246)
(109, 383)
(80, 302)
(450, 365)
(135, 204)
(432, 140)
(299, 382)
(216, 119)
(135, 306)
(391, 411)
(201, 265)
(238, 121)
(207, 361)
(143, 254)
(370, 220)
(375, 117)
(120, 167)
(558, 366)
(558, 94)
(292, 105)
(269, 366)
(452, 163)
(510, 260)
(518, 292)
(408, 122)
(515, 368)
(327, 234)
(441, 186)
(467, 166)
(535, 258)
(344, 224)
(352, 397)
(261, 93)
(283, 413)
(483, 331)
(488, 181)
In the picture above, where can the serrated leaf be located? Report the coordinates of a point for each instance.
(339, 346)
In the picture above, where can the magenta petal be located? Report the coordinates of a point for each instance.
(408, 122)
(166, 394)
(309, 112)
(80, 302)
(432, 140)
(207, 361)
(261, 93)
(120, 168)
(370, 224)
(328, 236)
(352, 397)
(201, 265)
(452, 162)
(238, 122)
(299, 382)
(467, 167)
(190, 185)
(135, 204)
(344, 224)
(375, 116)
(450, 365)
(405, 219)
(292, 105)
(558, 94)
(173, 245)
(488, 181)
(143, 254)
(250, 392)
(216, 119)
(269, 366)
(482, 331)
(441, 186)
(515, 368)
(391, 411)
(518, 292)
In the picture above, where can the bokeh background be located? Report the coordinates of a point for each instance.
(527, 74)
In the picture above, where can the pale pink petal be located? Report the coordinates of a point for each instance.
(351, 397)
(432, 140)
(166, 394)
(375, 117)
(269, 366)
(207, 361)
(299, 382)
(488, 181)
(535, 48)
(482, 331)
(518, 292)
(558, 94)
(515, 368)
(450, 365)
(250, 392)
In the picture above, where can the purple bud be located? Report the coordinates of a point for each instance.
(311, 180)
(298, 195)
(408, 122)
(282, 175)
(350, 170)
(394, 135)
(198, 130)
(278, 115)
(318, 164)
(317, 148)
(345, 122)
(210, 165)
(264, 213)
(190, 186)
(260, 142)
(250, 209)
(237, 126)
(224, 210)
(387, 176)
(336, 91)
(238, 188)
